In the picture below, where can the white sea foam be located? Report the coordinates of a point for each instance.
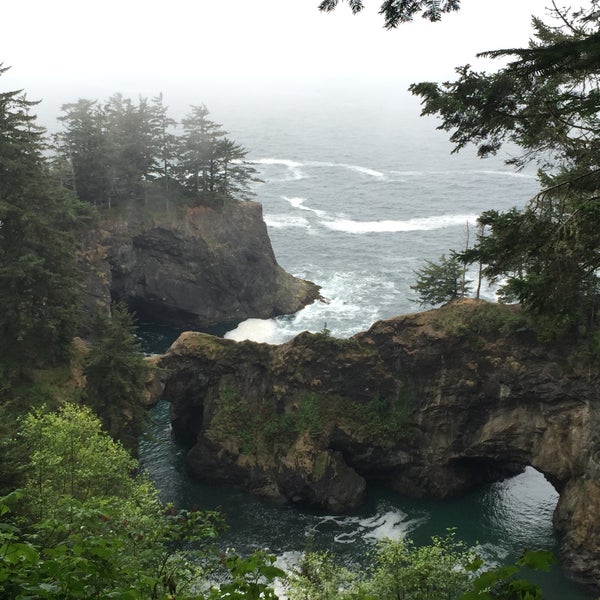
(451, 172)
(299, 204)
(293, 168)
(347, 310)
(291, 164)
(257, 330)
(356, 168)
(281, 221)
(390, 226)
(390, 525)
(409, 173)
(518, 174)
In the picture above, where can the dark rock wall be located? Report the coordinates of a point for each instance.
(203, 268)
(431, 404)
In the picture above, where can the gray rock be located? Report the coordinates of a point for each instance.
(206, 268)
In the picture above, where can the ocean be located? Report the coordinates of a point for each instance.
(356, 196)
(357, 201)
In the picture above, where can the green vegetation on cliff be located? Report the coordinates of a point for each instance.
(115, 153)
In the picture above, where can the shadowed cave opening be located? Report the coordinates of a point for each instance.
(476, 471)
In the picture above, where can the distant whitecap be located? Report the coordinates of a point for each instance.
(294, 171)
(299, 204)
(509, 174)
(281, 221)
(390, 226)
(409, 173)
(454, 173)
(291, 164)
(356, 168)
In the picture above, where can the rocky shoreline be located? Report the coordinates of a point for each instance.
(431, 405)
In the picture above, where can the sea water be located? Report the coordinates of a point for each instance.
(355, 199)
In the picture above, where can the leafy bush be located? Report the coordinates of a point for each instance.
(92, 529)
(400, 570)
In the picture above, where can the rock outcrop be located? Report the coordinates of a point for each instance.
(202, 268)
(431, 404)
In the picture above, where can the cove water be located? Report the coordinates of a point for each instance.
(356, 198)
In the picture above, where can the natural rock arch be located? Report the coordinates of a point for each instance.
(431, 404)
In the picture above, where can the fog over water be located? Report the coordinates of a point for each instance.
(241, 54)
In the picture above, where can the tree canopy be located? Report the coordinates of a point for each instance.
(116, 374)
(442, 281)
(39, 281)
(116, 152)
(401, 11)
(546, 101)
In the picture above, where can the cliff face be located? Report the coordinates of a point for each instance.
(204, 268)
(431, 404)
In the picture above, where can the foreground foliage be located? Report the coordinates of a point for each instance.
(401, 11)
(85, 527)
(400, 570)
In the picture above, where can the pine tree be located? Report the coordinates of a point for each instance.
(401, 11)
(442, 281)
(39, 282)
(166, 142)
(115, 375)
(546, 103)
(235, 174)
(198, 154)
(84, 146)
(134, 148)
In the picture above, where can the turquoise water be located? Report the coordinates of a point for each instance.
(356, 196)
(500, 519)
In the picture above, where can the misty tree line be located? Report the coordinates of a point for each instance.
(116, 152)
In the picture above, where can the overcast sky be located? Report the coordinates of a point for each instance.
(60, 50)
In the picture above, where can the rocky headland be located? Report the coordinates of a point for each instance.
(194, 268)
(429, 404)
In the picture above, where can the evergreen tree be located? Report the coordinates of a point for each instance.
(112, 153)
(83, 145)
(547, 102)
(235, 173)
(441, 282)
(166, 141)
(401, 11)
(134, 148)
(115, 376)
(39, 286)
(197, 163)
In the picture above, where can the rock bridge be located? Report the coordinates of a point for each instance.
(431, 404)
